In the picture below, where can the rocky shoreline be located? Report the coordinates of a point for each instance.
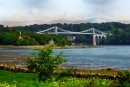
(13, 57)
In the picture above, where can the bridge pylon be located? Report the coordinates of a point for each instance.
(94, 40)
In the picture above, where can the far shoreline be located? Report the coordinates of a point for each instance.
(42, 47)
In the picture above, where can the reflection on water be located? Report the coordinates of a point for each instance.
(116, 57)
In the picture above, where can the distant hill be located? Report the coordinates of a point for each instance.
(21, 23)
(99, 20)
(31, 22)
(124, 21)
(92, 20)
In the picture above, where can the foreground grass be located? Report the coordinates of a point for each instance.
(69, 82)
(11, 79)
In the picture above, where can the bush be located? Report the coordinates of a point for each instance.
(45, 63)
(122, 80)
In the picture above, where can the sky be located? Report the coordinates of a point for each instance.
(48, 10)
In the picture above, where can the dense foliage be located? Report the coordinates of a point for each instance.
(17, 37)
(65, 82)
(120, 34)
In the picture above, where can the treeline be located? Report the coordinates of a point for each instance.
(18, 37)
(120, 33)
(77, 27)
(25, 35)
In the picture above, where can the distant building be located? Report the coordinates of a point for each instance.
(71, 37)
(51, 42)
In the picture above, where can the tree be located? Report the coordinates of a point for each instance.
(18, 42)
(69, 42)
(7, 38)
(1, 26)
(45, 63)
(63, 42)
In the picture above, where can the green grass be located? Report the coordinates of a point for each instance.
(11, 79)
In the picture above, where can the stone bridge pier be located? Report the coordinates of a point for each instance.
(97, 38)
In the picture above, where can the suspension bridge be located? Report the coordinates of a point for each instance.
(97, 35)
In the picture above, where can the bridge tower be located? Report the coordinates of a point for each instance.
(55, 29)
(93, 37)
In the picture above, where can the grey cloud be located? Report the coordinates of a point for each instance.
(100, 1)
(33, 2)
(100, 8)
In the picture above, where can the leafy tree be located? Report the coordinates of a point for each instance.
(69, 42)
(63, 42)
(1, 26)
(45, 63)
(18, 41)
(25, 42)
(39, 39)
(7, 38)
(80, 39)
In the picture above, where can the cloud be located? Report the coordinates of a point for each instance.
(33, 3)
(100, 2)
(121, 10)
(101, 8)
(59, 9)
(47, 10)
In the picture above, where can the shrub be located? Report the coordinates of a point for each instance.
(45, 63)
(122, 80)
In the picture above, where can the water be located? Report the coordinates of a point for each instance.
(116, 57)
(23, 51)
(103, 57)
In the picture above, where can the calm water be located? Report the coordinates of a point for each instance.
(103, 57)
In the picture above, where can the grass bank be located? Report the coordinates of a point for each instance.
(11, 79)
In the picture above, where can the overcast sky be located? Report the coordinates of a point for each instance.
(47, 10)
